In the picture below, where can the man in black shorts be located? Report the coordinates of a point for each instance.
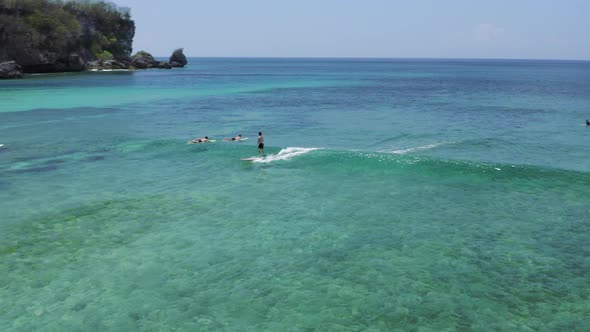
(260, 144)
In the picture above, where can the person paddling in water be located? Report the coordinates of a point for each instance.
(237, 138)
(201, 140)
(587, 122)
(260, 144)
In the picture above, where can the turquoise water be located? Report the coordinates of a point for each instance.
(397, 194)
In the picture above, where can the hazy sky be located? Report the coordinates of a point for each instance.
(524, 29)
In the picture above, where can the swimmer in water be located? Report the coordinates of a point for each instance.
(201, 140)
(237, 138)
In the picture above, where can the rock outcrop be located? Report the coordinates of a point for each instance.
(10, 69)
(164, 65)
(178, 59)
(143, 60)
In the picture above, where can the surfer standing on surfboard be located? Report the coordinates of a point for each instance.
(260, 144)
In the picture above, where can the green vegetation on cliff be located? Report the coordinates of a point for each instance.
(53, 35)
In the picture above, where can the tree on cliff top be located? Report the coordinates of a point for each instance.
(80, 5)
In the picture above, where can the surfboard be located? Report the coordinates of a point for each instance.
(242, 139)
(1, 145)
(190, 141)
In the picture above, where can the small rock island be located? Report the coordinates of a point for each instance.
(45, 36)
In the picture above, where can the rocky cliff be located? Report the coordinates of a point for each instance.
(43, 36)
(51, 36)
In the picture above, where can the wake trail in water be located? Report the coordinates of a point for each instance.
(417, 148)
(285, 154)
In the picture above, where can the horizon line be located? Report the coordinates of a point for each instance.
(375, 58)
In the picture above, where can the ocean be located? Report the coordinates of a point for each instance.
(402, 194)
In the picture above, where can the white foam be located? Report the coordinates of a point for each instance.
(107, 70)
(285, 154)
(418, 148)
